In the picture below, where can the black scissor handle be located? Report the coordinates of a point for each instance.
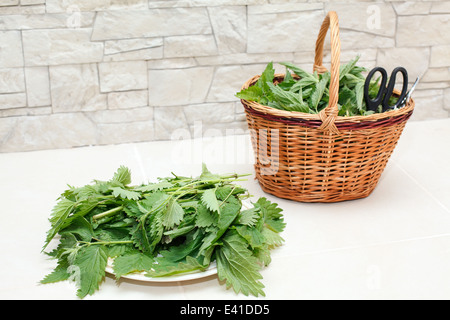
(372, 104)
(390, 89)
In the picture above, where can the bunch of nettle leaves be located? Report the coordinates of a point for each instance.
(176, 225)
(309, 93)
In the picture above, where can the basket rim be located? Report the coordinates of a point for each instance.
(262, 109)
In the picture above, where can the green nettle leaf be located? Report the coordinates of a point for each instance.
(131, 262)
(59, 214)
(86, 192)
(175, 226)
(59, 273)
(253, 236)
(90, 265)
(140, 237)
(267, 75)
(210, 201)
(345, 69)
(81, 227)
(317, 94)
(122, 176)
(301, 73)
(346, 95)
(229, 211)
(134, 209)
(205, 218)
(125, 194)
(271, 214)
(119, 249)
(168, 268)
(252, 93)
(207, 175)
(303, 83)
(238, 267)
(359, 88)
(249, 217)
(286, 98)
(177, 232)
(288, 76)
(180, 252)
(272, 238)
(61, 211)
(155, 186)
(173, 215)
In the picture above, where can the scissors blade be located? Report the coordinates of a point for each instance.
(408, 95)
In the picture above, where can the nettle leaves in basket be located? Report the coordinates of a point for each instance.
(309, 92)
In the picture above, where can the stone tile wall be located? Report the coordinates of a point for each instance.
(93, 72)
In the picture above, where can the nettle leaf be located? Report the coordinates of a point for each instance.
(267, 76)
(272, 238)
(178, 232)
(285, 97)
(207, 175)
(173, 215)
(359, 88)
(346, 96)
(271, 214)
(209, 199)
(155, 186)
(317, 94)
(140, 237)
(229, 211)
(80, 227)
(253, 236)
(122, 176)
(249, 217)
(119, 192)
(168, 268)
(288, 76)
(263, 255)
(205, 218)
(298, 107)
(303, 83)
(119, 249)
(58, 274)
(86, 192)
(134, 209)
(345, 69)
(130, 262)
(60, 213)
(301, 73)
(180, 252)
(89, 266)
(238, 267)
(252, 93)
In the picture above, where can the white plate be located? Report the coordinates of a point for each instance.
(212, 270)
(140, 276)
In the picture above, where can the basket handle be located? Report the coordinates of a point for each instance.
(329, 114)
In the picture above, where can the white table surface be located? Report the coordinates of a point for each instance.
(394, 244)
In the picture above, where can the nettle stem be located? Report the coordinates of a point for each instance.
(106, 242)
(107, 213)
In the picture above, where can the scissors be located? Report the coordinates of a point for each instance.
(408, 95)
(385, 93)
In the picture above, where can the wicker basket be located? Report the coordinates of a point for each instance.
(322, 157)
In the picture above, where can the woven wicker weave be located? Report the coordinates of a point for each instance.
(322, 157)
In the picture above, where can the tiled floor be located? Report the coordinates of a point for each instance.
(394, 244)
